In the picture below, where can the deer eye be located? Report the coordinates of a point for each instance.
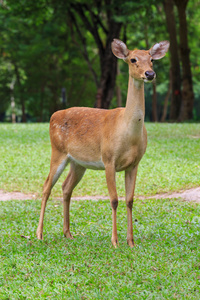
(152, 60)
(133, 60)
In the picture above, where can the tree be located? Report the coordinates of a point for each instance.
(187, 88)
(99, 18)
(54, 45)
(175, 73)
(35, 42)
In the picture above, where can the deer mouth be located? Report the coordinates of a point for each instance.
(149, 80)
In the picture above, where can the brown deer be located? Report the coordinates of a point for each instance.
(111, 140)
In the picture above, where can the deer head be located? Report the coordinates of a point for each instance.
(140, 61)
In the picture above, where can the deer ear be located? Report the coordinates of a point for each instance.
(159, 50)
(119, 49)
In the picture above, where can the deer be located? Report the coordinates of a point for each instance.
(113, 140)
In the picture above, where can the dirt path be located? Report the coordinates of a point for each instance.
(4, 196)
(188, 195)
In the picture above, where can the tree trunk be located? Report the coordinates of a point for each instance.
(154, 94)
(24, 120)
(118, 90)
(111, 29)
(174, 60)
(13, 115)
(108, 69)
(154, 104)
(21, 93)
(186, 112)
(41, 103)
(107, 81)
(164, 114)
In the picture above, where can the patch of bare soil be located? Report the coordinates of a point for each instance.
(4, 196)
(187, 195)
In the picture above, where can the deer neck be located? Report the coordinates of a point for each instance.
(135, 105)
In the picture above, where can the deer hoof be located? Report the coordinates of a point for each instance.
(68, 235)
(115, 242)
(39, 235)
(131, 243)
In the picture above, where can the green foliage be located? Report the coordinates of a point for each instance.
(164, 264)
(42, 53)
(5, 79)
(43, 59)
(193, 15)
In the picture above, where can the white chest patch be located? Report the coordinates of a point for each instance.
(94, 165)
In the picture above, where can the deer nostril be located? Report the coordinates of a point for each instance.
(150, 75)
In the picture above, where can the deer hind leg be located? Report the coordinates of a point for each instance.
(110, 178)
(130, 179)
(58, 164)
(75, 174)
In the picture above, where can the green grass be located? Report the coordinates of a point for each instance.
(171, 161)
(164, 264)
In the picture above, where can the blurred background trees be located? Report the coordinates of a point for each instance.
(56, 54)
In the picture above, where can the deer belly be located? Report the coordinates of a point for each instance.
(94, 165)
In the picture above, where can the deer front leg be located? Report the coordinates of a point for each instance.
(110, 178)
(130, 179)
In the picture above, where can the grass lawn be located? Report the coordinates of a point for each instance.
(171, 162)
(164, 264)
